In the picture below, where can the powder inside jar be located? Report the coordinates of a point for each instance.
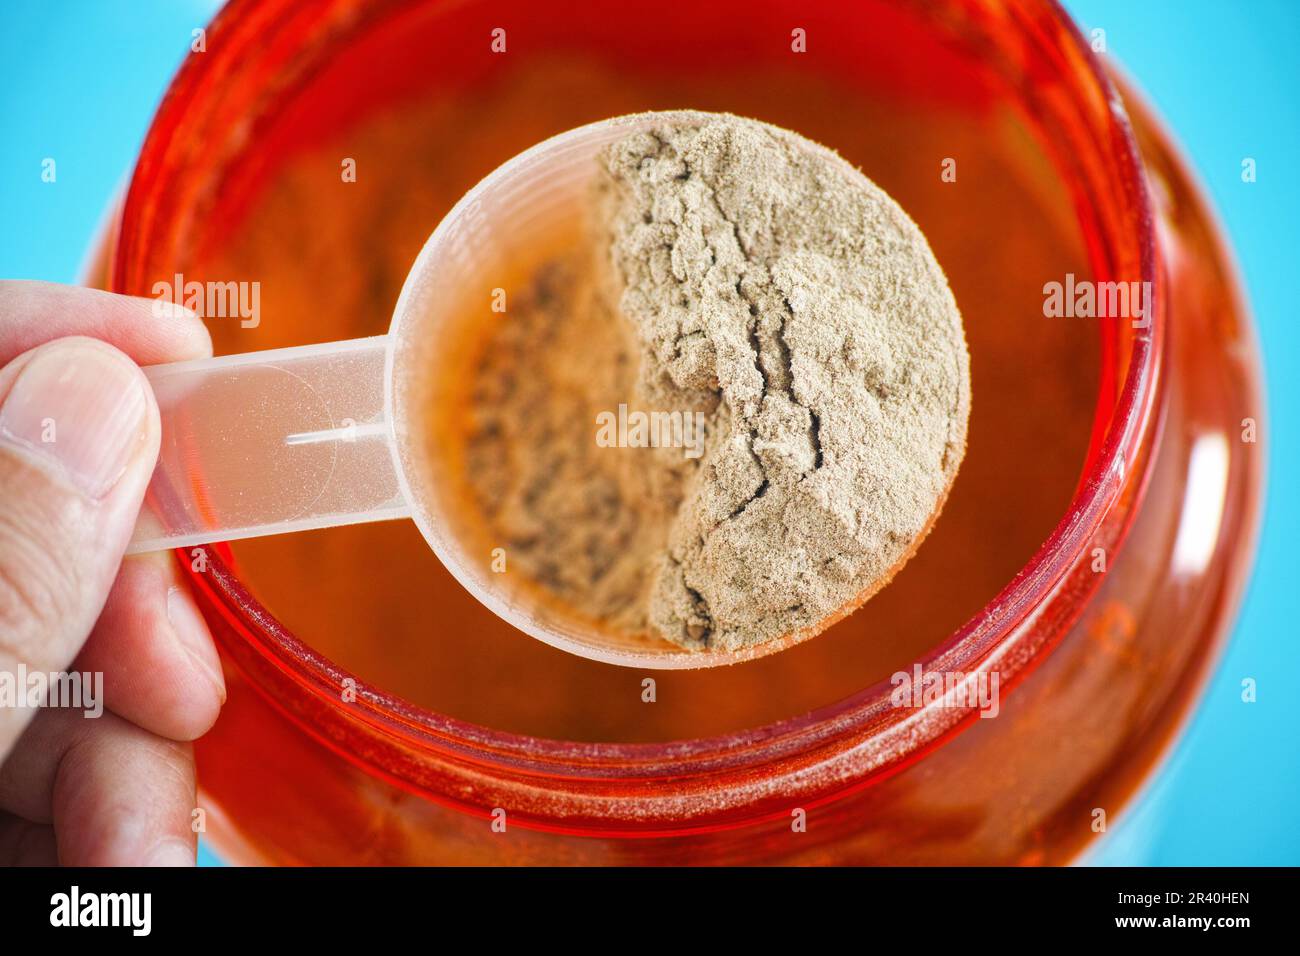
(743, 277)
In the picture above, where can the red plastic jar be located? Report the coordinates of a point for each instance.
(1099, 664)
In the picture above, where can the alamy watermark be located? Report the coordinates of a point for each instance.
(211, 300)
(1085, 299)
(73, 690)
(636, 429)
(917, 689)
(133, 911)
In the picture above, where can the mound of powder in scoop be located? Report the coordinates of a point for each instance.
(774, 286)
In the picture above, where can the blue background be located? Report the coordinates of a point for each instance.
(79, 81)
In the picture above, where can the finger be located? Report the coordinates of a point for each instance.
(23, 843)
(116, 794)
(160, 666)
(150, 331)
(78, 440)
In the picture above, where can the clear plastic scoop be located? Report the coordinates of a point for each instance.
(322, 435)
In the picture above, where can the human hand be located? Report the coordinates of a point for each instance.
(79, 437)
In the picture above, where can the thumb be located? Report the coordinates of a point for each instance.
(78, 440)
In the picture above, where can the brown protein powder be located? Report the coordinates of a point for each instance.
(777, 380)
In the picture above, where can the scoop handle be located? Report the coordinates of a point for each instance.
(268, 442)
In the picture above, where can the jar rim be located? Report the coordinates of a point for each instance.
(887, 737)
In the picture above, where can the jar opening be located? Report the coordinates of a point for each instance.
(1065, 95)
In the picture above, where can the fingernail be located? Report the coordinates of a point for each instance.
(82, 409)
(192, 633)
(171, 852)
